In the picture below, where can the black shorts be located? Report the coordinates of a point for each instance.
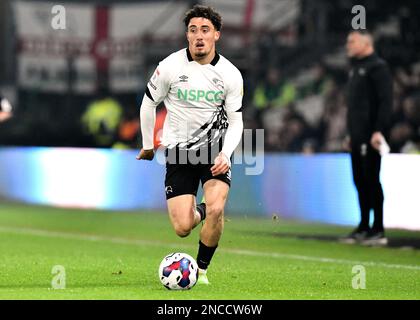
(183, 179)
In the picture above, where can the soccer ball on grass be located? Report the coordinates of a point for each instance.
(178, 271)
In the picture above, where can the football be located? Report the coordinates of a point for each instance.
(178, 271)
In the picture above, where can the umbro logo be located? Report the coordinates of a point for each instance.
(183, 78)
(168, 189)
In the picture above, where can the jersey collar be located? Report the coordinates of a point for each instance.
(213, 62)
(215, 59)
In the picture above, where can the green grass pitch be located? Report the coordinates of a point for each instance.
(115, 255)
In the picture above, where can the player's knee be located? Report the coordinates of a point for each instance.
(182, 230)
(182, 233)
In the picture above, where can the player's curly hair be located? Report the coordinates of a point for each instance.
(199, 11)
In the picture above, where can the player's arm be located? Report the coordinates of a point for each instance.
(147, 125)
(232, 138)
(156, 90)
(233, 135)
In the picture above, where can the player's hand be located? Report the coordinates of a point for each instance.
(376, 140)
(146, 155)
(221, 165)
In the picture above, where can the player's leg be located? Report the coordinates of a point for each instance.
(181, 185)
(215, 193)
(183, 214)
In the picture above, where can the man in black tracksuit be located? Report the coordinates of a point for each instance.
(369, 103)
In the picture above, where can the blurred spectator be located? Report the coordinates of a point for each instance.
(5, 109)
(318, 82)
(412, 147)
(128, 132)
(273, 92)
(406, 126)
(400, 134)
(333, 123)
(101, 119)
(295, 133)
(129, 129)
(408, 80)
(8, 123)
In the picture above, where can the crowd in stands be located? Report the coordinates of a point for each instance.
(301, 114)
(309, 114)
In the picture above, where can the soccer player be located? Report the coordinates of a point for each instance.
(202, 92)
(369, 112)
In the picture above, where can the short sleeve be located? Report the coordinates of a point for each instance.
(159, 84)
(235, 93)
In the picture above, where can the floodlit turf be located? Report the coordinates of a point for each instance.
(115, 255)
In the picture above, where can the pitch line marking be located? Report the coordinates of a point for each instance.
(117, 240)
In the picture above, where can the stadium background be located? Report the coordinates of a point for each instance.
(72, 194)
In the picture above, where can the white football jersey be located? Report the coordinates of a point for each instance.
(196, 97)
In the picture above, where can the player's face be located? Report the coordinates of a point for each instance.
(202, 36)
(356, 44)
